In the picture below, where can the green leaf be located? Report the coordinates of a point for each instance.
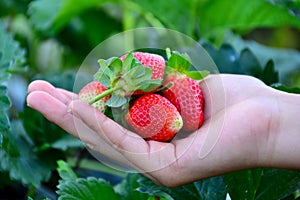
(228, 60)
(11, 53)
(116, 101)
(243, 184)
(286, 60)
(4, 76)
(91, 27)
(278, 184)
(36, 126)
(149, 85)
(269, 75)
(262, 183)
(211, 188)
(256, 13)
(180, 62)
(214, 17)
(55, 14)
(128, 188)
(72, 187)
(19, 159)
(4, 122)
(282, 87)
(188, 191)
(137, 74)
(4, 99)
(16, 159)
(115, 64)
(65, 171)
(187, 10)
(197, 75)
(250, 63)
(104, 75)
(86, 189)
(67, 141)
(297, 194)
(128, 63)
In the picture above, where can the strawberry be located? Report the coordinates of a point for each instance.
(90, 91)
(154, 117)
(183, 91)
(186, 95)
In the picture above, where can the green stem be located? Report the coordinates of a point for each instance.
(88, 164)
(103, 94)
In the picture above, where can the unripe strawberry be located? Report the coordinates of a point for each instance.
(186, 94)
(154, 118)
(90, 91)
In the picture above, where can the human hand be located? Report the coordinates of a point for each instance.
(236, 134)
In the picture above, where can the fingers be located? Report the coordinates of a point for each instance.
(53, 109)
(60, 94)
(115, 134)
(53, 104)
(214, 95)
(148, 156)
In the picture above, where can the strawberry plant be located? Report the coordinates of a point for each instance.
(49, 39)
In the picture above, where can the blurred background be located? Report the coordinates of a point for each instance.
(49, 39)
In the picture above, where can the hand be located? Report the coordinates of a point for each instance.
(240, 131)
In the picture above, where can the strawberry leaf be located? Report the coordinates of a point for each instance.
(129, 62)
(65, 171)
(128, 188)
(138, 72)
(116, 101)
(197, 75)
(104, 74)
(180, 62)
(71, 187)
(149, 85)
(115, 65)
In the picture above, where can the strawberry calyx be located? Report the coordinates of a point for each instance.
(181, 63)
(123, 78)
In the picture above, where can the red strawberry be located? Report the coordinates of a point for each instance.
(90, 91)
(153, 61)
(186, 95)
(154, 117)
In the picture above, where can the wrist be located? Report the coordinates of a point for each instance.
(282, 144)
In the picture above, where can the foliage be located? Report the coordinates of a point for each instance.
(48, 39)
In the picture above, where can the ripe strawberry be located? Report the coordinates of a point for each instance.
(153, 117)
(90, 91)
(186, 95)
(153, 61)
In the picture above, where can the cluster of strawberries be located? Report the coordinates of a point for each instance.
(155, 98)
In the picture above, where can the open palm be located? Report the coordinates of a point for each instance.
(237, 122)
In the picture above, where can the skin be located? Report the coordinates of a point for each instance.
(247, 125)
